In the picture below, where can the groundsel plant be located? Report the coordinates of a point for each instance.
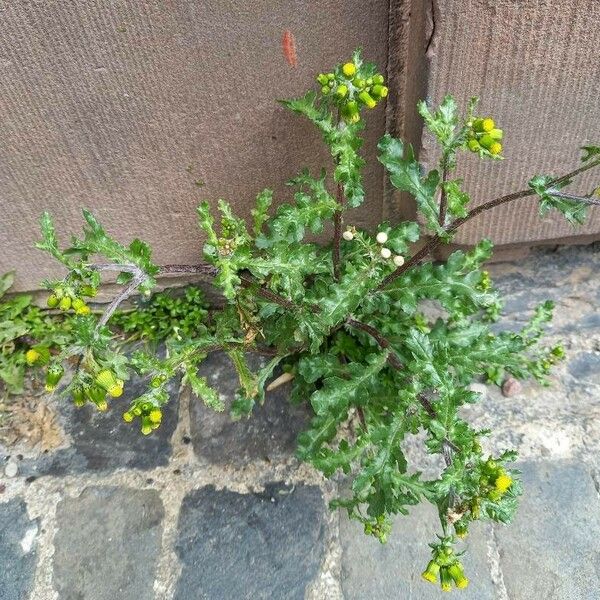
(342, 323)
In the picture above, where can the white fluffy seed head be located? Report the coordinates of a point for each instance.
(381, 237)
(386, 252)
(398, 260)
(348, 235)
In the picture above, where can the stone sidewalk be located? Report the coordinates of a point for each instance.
(210, 509)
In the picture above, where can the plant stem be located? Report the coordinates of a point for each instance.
(443, 199)
(378, 337)
(337, 232)
(436, 240)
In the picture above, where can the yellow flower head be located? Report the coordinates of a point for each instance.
(349, 69)
(31, 356)
(503, 482)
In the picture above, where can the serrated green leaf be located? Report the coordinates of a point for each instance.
(405, 175)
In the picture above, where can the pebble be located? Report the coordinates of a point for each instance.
(511, 387)
(11, 469)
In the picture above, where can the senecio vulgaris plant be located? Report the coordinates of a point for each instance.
(342, 320)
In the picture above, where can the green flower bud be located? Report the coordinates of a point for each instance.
(378, 79)
(342, 91)
(89, 291)
(146, 425)
(369, 81)
(65, 303)
(367, 100)
(109, 381)
(486, 141)
(128, 417)
(77, 303)
(325, 90)
(478, 125)
(359, 83)
(431, 572)
(78, 394)
(380, 90)
(497, 134)
(52, 301)
(445, 579)
(83, 310)
(322, 79)
(53, 376)
(458, 575)
(330, 76)
(474, 145)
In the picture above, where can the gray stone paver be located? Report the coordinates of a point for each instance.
(551, 549)
(107, 544)
(257, 546)
(18, 541)
(268, 434)
(375, 571)
(103, 442)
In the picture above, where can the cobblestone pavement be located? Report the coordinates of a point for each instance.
(208, 508)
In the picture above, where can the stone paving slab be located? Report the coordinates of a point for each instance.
(107, 544)
(266, 545)
(551, 549)
(375, 571)
(568, 276)
(102, 442)
(268, 434)
(18, 541)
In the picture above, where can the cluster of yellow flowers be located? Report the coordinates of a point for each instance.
(483, 135)
(350, 89)
(446, 567)
(66, 297)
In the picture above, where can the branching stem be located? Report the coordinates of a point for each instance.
(436, 240)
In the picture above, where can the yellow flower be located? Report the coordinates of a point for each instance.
(349, 69)
(155, 415)
(31, 356)
(488, 124)
(431, 572)
(503, 482)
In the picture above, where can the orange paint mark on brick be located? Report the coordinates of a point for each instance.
(289, 48)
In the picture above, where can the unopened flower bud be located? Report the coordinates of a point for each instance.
(367, 100)
(65, 303)
(431, 572)
(52, 301)
(380, 90)
(348, 235)
(128, 417)
(398, 260)
(497, 134)
(386, 253)
(382, 237)
(89, 291)
(458, 575)
(53, 376)
(341, 91)
(474, 145)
